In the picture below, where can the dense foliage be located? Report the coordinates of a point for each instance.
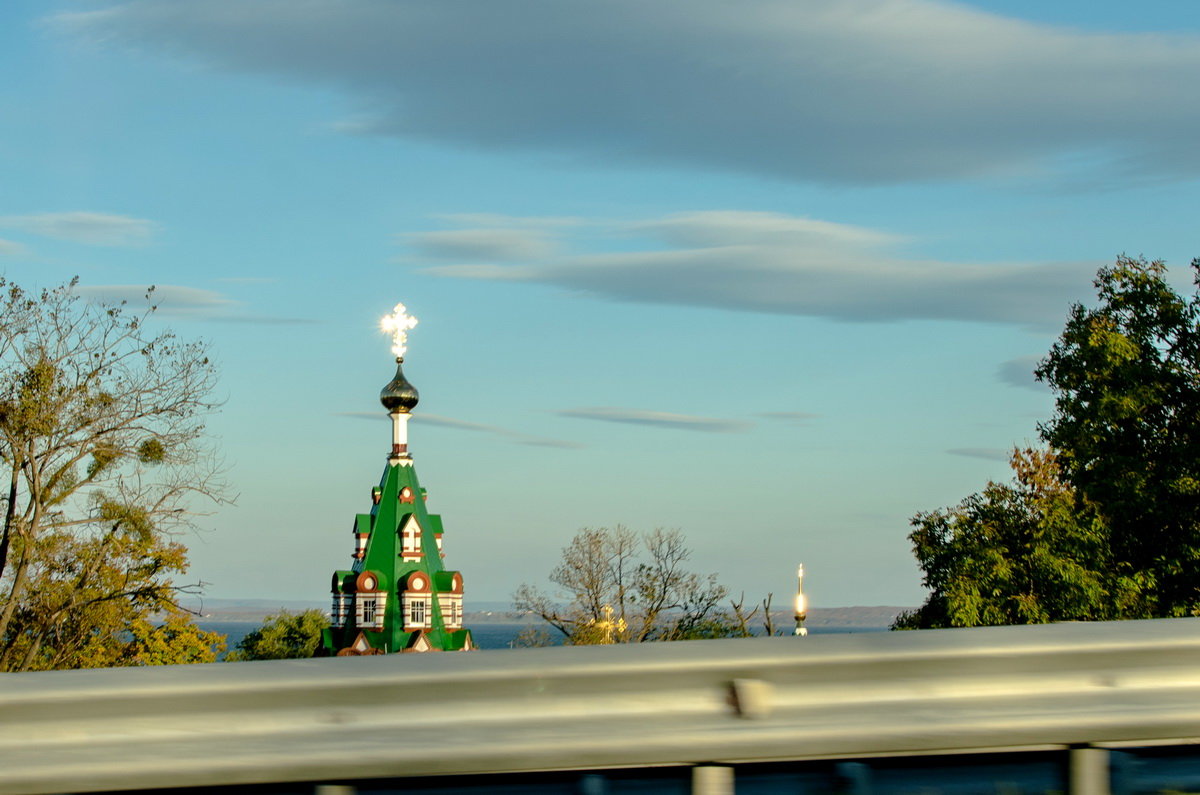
(1126, 377)
(283, 636)
(1026, 552)
(1106, 523)
(101, 452)
(615, 586)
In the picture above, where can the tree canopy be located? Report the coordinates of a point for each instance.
(1026, 552)
(616, 586)
(1126, 378)
(102, 452)
(283, 636)
(1105, 523)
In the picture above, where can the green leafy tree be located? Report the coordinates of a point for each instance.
(615, 586)
(1106, 526)
(1026, 552)
(1126, 379)
(102, 452)
(283, 636)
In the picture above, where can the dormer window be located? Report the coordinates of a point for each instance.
(410, 540)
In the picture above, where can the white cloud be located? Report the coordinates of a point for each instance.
(853, 91)
(93, 229)
(768, 262)
(662, 419)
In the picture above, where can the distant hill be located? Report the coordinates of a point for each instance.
(866, 617)
(860, 616)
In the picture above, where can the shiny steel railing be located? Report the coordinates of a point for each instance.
(711, 704)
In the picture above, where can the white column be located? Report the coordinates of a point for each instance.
(399, 434)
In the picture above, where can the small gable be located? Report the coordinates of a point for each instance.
(419, 642)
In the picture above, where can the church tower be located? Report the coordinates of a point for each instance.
(397, 596)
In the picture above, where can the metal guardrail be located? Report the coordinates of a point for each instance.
(724, 702)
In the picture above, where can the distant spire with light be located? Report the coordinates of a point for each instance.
(801, 603)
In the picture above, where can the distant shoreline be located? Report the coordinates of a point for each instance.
(254, 611)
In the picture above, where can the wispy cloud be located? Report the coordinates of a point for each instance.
(772, 262)
(1019, 372)
(863, 91)
(505, 245)
(10, 249)
(182, 302)
(93, 229)
(171, 299)
(987, 453)
(463, 425)
(248, 279)
(793, 417)
(501, 221)
(718, 228)
(661, 419)
(263, 320)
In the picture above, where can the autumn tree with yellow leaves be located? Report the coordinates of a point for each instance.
(103, 458)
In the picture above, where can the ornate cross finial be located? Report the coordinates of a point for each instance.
(398, 325)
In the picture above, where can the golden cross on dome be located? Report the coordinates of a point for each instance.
(398, 324)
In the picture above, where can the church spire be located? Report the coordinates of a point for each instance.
(397, 596)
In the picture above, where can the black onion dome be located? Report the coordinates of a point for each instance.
(399, 395)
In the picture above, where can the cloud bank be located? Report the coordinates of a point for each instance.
(93, 229)
(771, 262)
(858, 91)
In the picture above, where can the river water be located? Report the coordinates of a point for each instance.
(486, 635)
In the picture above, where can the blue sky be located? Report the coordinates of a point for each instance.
(774, 273)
